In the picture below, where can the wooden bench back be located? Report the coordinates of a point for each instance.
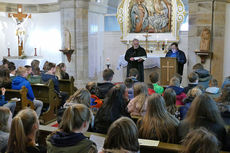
(20, 94)
(67, 85)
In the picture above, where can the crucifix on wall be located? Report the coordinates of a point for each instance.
(20, 20)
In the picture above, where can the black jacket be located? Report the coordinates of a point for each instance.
(103, 89)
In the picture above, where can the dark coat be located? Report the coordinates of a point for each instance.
(103, 89)
(47, 77)
(131, 52)
(190, 86)
(181, 60)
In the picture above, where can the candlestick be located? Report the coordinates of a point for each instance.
(35, 51)
(107, 62)
(8, 51)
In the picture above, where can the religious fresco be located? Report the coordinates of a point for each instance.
(159, 19)
(154, 18)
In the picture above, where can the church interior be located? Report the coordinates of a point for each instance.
(89, 36)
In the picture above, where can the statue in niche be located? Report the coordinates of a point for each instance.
(139, 17)
(160, 17)
(205, 40)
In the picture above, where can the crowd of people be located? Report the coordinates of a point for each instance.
(195, 116)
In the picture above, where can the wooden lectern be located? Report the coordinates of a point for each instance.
(168, 69)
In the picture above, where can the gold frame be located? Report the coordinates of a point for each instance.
(123, 17)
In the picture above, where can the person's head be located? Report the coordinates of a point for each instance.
(140, 88)
(51, 67)
(193, 77)
(23, 130)
(194, 92)
(58, 72)
(136, 43)
(76, 118)
(5, 119)
(122, 135)
(226, 81)
(108, 75)
(45, 66)
(200, 141)
(29, 69)
(129, 83)
(12, 68)
(62, 66)
(174, 81)
(4, 75)
(198, 66)
(225, 95)
(178, 77)
(170, 100)
(213, 82)
(174, 46)
(35, 63)
(81, 96)
(133, 72)
(159, 119)
(5, 62)
(91, 87)
(154, 77)
(203, 107)
(22, 71)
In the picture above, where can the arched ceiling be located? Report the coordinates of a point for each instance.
(29, 1)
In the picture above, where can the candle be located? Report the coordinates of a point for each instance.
(107, 61)
(166, 41)
(157, 38)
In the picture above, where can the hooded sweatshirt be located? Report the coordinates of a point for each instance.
(68, 143)
(19, 82)
(204, 77)
(47, 77)
(180, 95)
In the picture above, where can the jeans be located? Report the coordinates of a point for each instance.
(38, 106)
(11, 106)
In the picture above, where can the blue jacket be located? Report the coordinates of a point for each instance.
(47, 77)
(2, 100)
(18, 82)
(181, 59)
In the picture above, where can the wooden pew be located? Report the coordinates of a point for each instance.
(46, 93)
(19, 94)
(67, 85)
(161, 148)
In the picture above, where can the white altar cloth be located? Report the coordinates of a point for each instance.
(153, 60)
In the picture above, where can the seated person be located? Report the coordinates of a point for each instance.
(20, 81)
(133, 74)
(24, 128)
(10, 105)
(129, 85)
(12, 69)
(158, 123)
(175, 85)
(213, 90)
(50, 74)
(34, 64)
(36, 77)
(188, 101)
(154, 78)
(170, 101)
(200, 141)
(226, 81)
(104, 87)
(193, 81)
(5, 62)
(69, 138)
(114, 107)
(122, 137)
(64, 74)
(137, 106)
(203, 113)
(203, 74)
(5, 123)
(95, 102)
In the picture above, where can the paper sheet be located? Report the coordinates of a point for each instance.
(151, 143)
(99, 141)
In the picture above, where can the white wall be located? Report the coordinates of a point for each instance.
(227, 43)
(43, 31)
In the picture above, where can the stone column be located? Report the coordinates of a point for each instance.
(209, 14)
(74, 17)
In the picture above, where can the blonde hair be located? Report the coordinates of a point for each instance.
(174, 81)
(200, 141)
(4, 117)
(194, 92)
(58, 73)
(74, 116)
(122, 135)
(21, 70)
(81, 96)
(140, 94)
(21, 127)
(158, 122)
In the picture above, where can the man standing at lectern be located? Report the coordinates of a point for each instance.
(132, 57)
(179, 55)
